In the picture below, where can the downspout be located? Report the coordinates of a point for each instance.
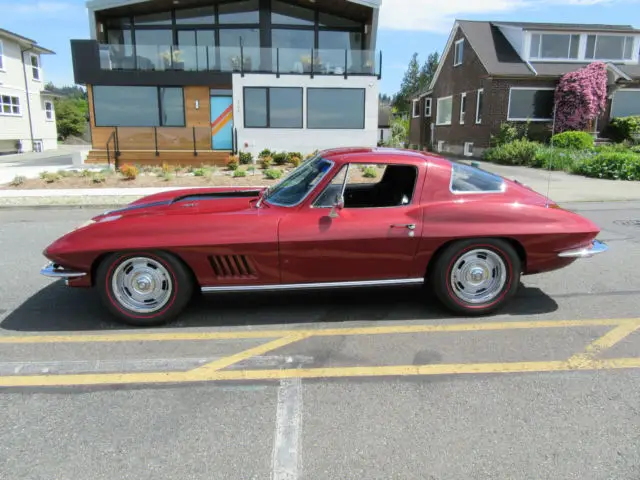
(26, 86)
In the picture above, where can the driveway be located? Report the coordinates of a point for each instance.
(564, 187)
(31, 164)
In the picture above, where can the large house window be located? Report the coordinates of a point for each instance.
(1, 56)
(458, 52)
(609, 47)
(444, 111)
(138, 106)
(535, 104)
(554, 46)
(337, 108)
(625, 103)
(9, 105)
(272, 107)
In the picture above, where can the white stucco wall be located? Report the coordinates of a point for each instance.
(12, 84)
(305, 140)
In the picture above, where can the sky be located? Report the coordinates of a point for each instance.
(406, 26)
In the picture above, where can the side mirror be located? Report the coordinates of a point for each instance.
(338, 204)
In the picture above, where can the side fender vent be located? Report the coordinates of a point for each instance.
(232, 266)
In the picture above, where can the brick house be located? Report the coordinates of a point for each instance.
(493, 72)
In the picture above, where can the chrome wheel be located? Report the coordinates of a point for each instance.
(478, 276)
(142, 285)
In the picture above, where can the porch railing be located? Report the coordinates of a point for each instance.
(241, 59)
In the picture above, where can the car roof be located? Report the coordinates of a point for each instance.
(381, 155)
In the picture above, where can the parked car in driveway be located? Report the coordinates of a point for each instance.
(344, 218)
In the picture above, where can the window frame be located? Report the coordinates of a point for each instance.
(268, 98)
(480, 95)
(538, 56)
(34, 69)
(11, 104)
(346, 177)
(613, 100)
(463, 111)
(428, 104)
(159, 112)
(438, 110)
(458, 51)
(625, 38)
(512, 119)
(47, 111)
(414, 104)
(364, 108)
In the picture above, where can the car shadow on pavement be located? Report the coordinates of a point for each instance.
(59, 308)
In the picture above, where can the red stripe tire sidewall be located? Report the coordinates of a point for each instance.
(506, 288)
(114, 302)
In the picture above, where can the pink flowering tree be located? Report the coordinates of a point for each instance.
(580, 97)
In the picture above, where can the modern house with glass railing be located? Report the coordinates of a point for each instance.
(191, 81)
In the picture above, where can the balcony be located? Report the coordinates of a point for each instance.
(279, 61)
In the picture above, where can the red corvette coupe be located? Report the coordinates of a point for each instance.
(344, 218)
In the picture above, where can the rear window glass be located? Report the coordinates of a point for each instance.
(465, 178)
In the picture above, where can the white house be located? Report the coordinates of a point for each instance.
(27, 117)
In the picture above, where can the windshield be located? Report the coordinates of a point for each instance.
(298, 184)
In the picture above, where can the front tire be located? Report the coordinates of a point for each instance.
(476, 276)
(144, 288)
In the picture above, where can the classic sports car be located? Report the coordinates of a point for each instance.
(344, 218)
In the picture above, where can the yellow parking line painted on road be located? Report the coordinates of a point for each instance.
(320, 332)
(246, 354)
(346, 372)
(605, 342)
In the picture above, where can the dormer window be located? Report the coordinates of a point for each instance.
(609, 47)
(554, 46)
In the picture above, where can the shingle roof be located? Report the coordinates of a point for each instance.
(499, 57)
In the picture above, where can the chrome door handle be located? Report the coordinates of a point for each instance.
(410, 226)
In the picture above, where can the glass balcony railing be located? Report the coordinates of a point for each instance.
(240, 59)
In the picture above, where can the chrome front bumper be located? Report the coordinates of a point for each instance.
(53, 270)
(585, 252)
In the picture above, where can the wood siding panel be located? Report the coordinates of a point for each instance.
(202, 116)
(171, 158)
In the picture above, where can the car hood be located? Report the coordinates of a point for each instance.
(198, 200)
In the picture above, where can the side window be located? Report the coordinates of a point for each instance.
(371, 186)
(467, 179)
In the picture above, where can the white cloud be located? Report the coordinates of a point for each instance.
(439, 15)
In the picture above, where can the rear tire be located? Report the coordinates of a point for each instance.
(476, 276)
(144, 288)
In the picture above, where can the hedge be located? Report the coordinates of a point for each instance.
(573, 140)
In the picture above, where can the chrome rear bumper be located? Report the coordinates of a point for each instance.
(585, 252)
(53, 270)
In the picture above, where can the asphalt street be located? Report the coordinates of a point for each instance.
(366, 384)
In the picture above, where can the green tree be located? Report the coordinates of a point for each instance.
(428, 70)
(416, 79)
(71, 116)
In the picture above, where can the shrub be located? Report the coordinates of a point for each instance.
(610, 165)
(166, 168)
(296, 160)
(50, 177)
(369, 172)
(198, 172)
(264, 153)
(18, 180)
(166, 176)
(622, 129)
(518, 152)
(559, 158)
(251, 168)
(508, 133)
(240, 173)
(266, 162)
(245, 158)
(98, 178)
(85, 173)
(573, 140)
(280, 158)
(273, 174)
(233, 163)
(129, 172)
